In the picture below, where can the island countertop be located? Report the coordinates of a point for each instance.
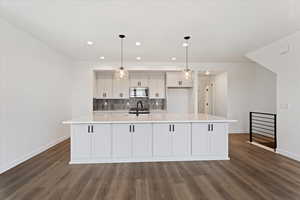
(100, 118)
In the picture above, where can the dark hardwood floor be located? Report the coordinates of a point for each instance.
(252, 173)
(264, 140)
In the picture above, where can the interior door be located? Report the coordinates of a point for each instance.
(101, 141)
(162, 140)
(219, 139)
(142, 140)
(81, 141)
(179, 100)
(181, 139)
(200, 139)
(121, 141)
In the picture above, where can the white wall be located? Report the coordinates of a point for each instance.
(220, 96)
(283, 58)
(241, 87)
(82, 90)
(265, 91)
(35, 93)
(1, 107)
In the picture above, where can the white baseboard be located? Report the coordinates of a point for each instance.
(148, 159)
(238, 132)
(288, 154)
(261, 146)
(14, 163)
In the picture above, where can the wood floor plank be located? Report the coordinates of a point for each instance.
(252, 173)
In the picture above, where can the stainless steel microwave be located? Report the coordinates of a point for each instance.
(139, 92)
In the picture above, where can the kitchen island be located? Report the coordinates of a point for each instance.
(121, 137)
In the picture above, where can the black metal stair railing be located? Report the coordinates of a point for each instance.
(263, 129)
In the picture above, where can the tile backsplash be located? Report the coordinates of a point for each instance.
(124, 104)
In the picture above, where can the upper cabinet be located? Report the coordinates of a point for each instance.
(108, 87)
(139, 79)
(120, 89)
(104, 85)
(177, 80)
(157, 85)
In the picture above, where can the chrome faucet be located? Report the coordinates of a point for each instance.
(137, 107)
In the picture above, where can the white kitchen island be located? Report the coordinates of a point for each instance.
(117, 137)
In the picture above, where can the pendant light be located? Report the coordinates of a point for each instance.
(187, 71)
(121, 73)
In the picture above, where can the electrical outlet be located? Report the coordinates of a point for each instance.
(284, 106)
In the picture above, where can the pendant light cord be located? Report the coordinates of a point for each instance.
(187, 52)
(122, 52)
(186, 55)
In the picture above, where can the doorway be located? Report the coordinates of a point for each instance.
(212, 93)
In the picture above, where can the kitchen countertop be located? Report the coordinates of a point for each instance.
(102, 118)
(125, 111)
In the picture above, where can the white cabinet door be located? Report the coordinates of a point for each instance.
(81, 141)
(187, 83)
(157, 85)
(176, 79)
(219, 139)
(181, 139)
(121, 140)
(200, 139)
(141, 140)
(172, 79)
(162, 140)
(138, 79)
(120, 89)
(101, 141)
(104, 83)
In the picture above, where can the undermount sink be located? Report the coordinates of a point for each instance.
(139, 112)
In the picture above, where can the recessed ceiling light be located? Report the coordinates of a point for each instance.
(173, 58)
(138, 58)
(101, 57)
(90, 43)
(138, 43)
(185, 44)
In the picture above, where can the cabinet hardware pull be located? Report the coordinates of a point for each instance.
(208, 127)
(173, 127)
(133, 128)
(92, 129)
(169, 127)
(212, 127)
(129, 128)
(88, 129)
(179, 82)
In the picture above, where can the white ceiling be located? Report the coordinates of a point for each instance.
(221, 30)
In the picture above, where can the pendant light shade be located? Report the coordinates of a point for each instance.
(187, 71)
(121, 73)
(187, 74)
